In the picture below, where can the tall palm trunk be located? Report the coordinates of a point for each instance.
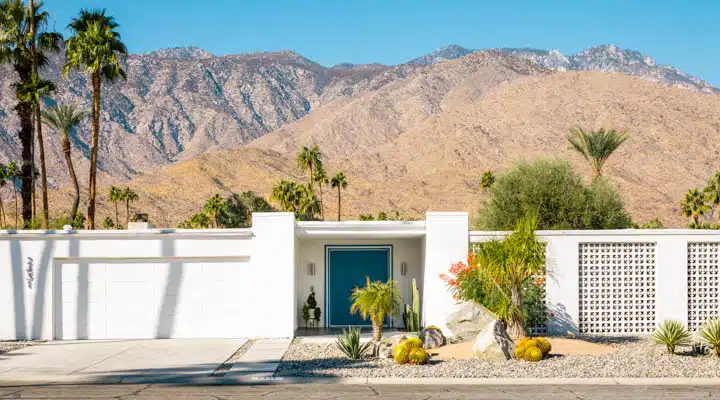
(377, 335)
(322, 204)
(2, 214)
(127, 214)
(94, 149)
(516, 328)
(68, 160)
(117, 215)
(338, 203)
(43, 172)
(24, 111)
(16, 202)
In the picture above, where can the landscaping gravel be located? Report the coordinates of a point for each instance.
(8, 346)
(633, 357)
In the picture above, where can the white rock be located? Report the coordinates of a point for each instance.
(494, 343)
(466, 319)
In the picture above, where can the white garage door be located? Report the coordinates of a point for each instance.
(153, 298)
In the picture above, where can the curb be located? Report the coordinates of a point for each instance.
(25, 380)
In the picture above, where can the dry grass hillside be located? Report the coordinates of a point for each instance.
(421, 142)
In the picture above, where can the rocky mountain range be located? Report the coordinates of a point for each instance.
(608, 58)
(188, 124)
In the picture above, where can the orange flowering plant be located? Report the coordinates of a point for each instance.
(506, 276)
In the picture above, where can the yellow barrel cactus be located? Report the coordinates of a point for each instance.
(532, 354)
(544, 346)
(412, 343)
(418, 356)
(401, 354)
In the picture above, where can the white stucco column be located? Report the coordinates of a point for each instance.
(671, 279)
(446, 242)
(273, 257)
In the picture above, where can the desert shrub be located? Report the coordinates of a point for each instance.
(557, 195)
(349, 344)
(654, 223)
(498, 274)
(672, 334)
(710, 334)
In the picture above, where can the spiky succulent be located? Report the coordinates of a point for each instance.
(519, 352)
(418, 356)
(412, 343)
(544, 345)
(710, 334)
(672, 334)
(401, 354)
(532, 354)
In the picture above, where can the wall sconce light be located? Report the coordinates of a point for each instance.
(311, 269)
(403, 268)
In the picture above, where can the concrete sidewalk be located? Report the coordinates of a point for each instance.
(99, 361)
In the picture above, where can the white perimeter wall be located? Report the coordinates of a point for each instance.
(670, 273)
(265, 254)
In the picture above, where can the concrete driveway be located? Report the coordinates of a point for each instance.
(126, 360)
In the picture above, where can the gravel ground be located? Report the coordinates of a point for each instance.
(634, 357)
(12, 345)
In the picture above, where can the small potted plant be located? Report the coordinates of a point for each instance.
(313, 310)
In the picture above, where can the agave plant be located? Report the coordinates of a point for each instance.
(672, 334)
(710, 334)
(349, 344)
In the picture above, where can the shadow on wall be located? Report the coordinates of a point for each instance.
(31, 278)
(559, 321)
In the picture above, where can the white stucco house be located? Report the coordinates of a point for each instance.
(239, 283)
(174, 283)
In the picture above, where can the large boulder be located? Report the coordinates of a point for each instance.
(493, 343)
(466, 319)
(432, 337)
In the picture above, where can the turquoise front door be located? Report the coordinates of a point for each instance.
(347, 268)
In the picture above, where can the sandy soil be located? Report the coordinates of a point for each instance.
(567, 347)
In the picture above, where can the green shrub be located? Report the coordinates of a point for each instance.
(710, 334)
(557, 195)
(349, 344)
(672, 334)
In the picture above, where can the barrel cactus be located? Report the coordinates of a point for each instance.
(412, 343)
(544, 346)
(532, 354)
(401, 354)
(418, 356)
(531, 343)
(519, 352)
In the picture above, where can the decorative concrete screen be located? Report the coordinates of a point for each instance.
(703, 271)
(617, 287)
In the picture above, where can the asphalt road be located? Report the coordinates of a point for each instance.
(330, 391)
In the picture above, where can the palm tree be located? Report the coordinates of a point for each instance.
(309, 159)
(108, 223)
(693, 205)
(596, 146)
(23, 43)
(284, 192)
(96, 47)
(214, 207)
(487, 180)
(321, 179)
(507, 265)
(340, 182)
(116, 196)
(33, 91)
(129, 196)
(13, 174)
(64, 119)
(307, 204)
(712, 190)
(376, 301)
(3, 182)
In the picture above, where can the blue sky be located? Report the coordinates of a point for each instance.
(685, 34)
